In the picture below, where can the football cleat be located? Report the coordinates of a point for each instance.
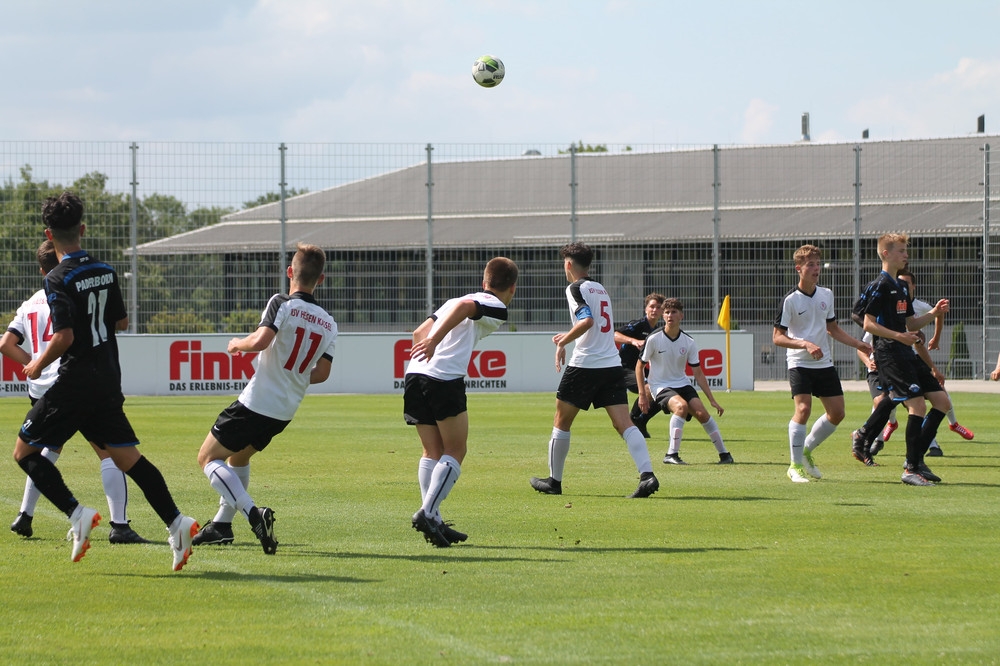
(548, 485)
(213, 533)
(647, 487)
(123, 533)
(430, 529)
(673, 459)
(22, 525)
(961, 430)
(934, 452)
(180, 540)
(796, 474)
(726, 458)
(81, 527)
(263, 529)
(810, 466)
(889, 428)
(911, 478)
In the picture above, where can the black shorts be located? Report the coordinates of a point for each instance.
(820, 382)
(874, 385)
(62, 412)
(600, 387)
(238, 427)
(427, 400)
(905, 376)
(687, 393)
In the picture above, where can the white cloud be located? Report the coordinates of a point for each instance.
(758, 119)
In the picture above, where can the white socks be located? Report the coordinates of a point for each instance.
(445, 474)
(227, 511)
(228, 484)
(821, 429)
(559, 449)
(796, 441)
(115, 490)
(637, 448)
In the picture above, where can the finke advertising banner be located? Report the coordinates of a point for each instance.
(368, 363)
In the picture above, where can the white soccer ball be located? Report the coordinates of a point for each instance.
(487, 71)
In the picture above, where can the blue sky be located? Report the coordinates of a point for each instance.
(614, 72)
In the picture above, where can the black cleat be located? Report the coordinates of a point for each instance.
(452, 535)
(263, 529)
(674, 459)
(22, 525)
(726, 459)
(642, 428)
(876, 446)
(860, 451)
(122, 533)
(431, 530)
(911, 478)
(213, 533)
(923, 470)
(934, 452)
(647, 487)
(548, 485)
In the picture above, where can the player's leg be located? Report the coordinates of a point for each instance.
(711, 428)
(636, 444)
(116, 492)
(454, 434)
(678, 408)
(29, 500)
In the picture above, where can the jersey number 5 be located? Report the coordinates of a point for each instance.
(314, 340)
(605, 317)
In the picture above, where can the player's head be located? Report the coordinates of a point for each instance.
(654, 306)
(905, 275)
(500, 274)
(46, 255)
(579, 253)
(673, 312)
(892, 242)
(307, 265)
(62, 216)
(805, 253)
(673, 304)
(656, 298)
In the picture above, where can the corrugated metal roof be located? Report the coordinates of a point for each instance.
(930, 187)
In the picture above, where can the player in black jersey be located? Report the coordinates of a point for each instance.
(86, 307)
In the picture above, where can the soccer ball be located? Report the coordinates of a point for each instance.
(487, 71)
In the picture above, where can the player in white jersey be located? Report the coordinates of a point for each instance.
(296, 339)
(920, 308)
(669, 351)
(593, 375)
(31, 327)
(804, 327)
(434, 390)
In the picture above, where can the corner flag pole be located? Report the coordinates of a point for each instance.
(724, 322)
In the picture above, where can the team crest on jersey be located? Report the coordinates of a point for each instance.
(683, 351)
(901, 307)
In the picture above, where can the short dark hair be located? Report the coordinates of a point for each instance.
(673, 304)
(654, 296)
(500, 273)
(905, 272)
(307, 264)
(46, 255)
(579, 253)
(62, 215)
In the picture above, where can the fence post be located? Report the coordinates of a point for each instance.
(572, 193)
(986, 256)
(857, 220)
(716, 221)
(133, 213)
(282, 251)
(429, 270)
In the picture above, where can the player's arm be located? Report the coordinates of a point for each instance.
(121, 324)
(255, 342)
(622, 339)
(640, 380)
(995, 375)
(935, 341)
(699, 377)
(60, 341)
(462, 310)
(915, 323)
(843, 337)
(10, 346)
(872, 326)
(583, 324)
(321, 371)
(867, 360)
(926, 357)
(780, 339)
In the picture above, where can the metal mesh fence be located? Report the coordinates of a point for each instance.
(691, 222)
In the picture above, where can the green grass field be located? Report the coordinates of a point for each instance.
(726, 564)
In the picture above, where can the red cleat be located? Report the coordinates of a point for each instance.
(962, 430)
(889, 428)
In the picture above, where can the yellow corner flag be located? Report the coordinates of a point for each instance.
(724, 320)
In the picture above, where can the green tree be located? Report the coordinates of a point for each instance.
(271, 197)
